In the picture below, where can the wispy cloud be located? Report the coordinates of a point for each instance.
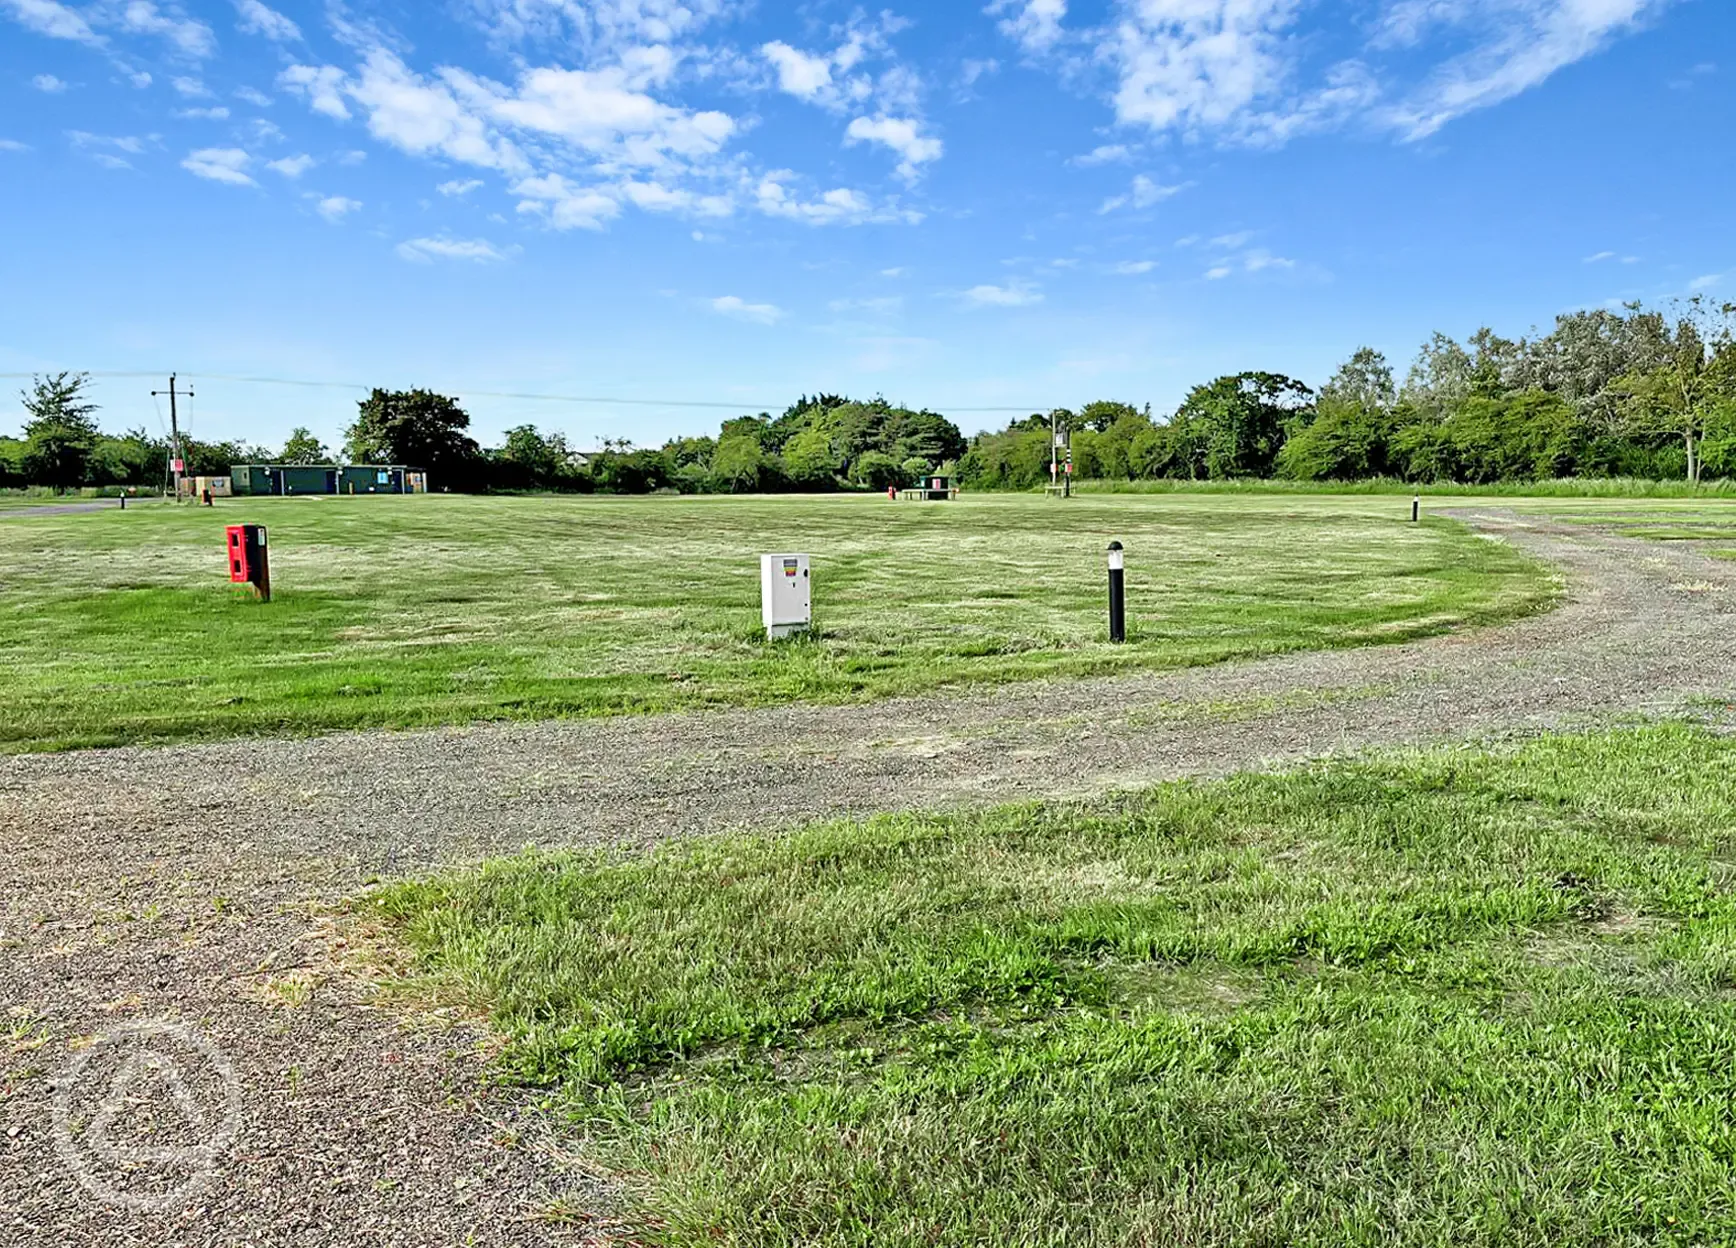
(260, 19)
(292, 166)
(48, 84)
(220, 164)
(1144, 193)
(1012, 295)
(741, 310)
(1132, 268)
(1105, 154)
(335, 208)
(459, 187)
(445, 247)
(903, 135)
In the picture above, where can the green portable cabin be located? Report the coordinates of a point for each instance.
(284, 478)
(372, 479)
(290, 479)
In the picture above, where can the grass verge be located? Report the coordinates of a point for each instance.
(1468, 997)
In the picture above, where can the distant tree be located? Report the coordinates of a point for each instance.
(1104, 413)
(61, 432)
(876, 470)
(1695, 380)
(1233, 426)
(304, 448)
(414, 427)
(739, 463)
(809, 458)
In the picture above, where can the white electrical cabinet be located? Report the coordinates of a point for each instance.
(786, 595)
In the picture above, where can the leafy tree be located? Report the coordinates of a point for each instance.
(1233, 427)
(304, 448)
(60, 433)
(414, 427)
(876, 470)
(809, 458)
(1101, 414)
(740, 462)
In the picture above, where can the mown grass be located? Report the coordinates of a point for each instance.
(1466, 997)
(1559, 487)
(119, 627)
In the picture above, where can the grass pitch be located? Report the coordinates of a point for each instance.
(119, 627)
(1470, 998)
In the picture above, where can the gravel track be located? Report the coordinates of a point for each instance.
(184, 883)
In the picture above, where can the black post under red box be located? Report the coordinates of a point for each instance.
(249, 562)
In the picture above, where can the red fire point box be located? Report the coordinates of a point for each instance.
(248, 563)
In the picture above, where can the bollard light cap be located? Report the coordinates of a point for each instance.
(1114, 545)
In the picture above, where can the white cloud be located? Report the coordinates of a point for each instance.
(131, 144)
(220, 164)
(970, 72)
(259, 19)
(598, 26)
(139, 79)
(51, 18)
(1520, 44)
(1191, 64)
(1247, 71)
(1036, 24)
(902, 135)
(566, 205)
(839, 206)
(1707, 282)
(322, 86)
(249, 95)
(292, 166)
(759, 313)
(191, 37)
(191, 88)
(605, 112)
(899, 271)
(1256, 261)
(13, 145)
(203, 114)
(1229, 242)
(1013, 295)
(427, 250)
(48, 83)
(459, 188)
(1104, 154)
(799, 73)
(1133, 268)
(426, 118)
(1600, 257)
(1144, 193)
(335, 208)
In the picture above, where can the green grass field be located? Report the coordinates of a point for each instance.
(1468, 998)
(121, 627)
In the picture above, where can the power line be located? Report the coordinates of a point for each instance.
(466, 392)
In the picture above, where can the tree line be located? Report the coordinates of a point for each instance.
(1605, 393)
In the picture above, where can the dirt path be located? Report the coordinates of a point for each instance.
(175, 883)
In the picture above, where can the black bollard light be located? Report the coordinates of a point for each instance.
(1416, 509)
(1117, 594)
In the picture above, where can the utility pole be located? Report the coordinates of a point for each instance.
(1054, 450)
(176, 463)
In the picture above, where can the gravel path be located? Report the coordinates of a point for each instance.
(67, 509)
(182, 884)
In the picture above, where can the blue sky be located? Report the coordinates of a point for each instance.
(1028, 204)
